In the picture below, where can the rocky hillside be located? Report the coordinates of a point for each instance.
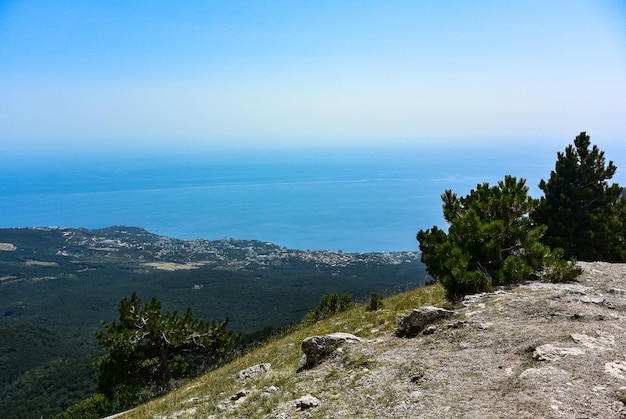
(537, 350)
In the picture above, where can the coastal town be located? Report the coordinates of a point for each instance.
(139, 245)
(121, 240)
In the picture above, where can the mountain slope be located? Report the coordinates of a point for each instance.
(537, 350)
(58, 284)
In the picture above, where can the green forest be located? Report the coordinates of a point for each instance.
(59, 285)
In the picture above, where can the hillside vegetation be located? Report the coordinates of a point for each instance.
(58, 284)
(534, 350)
(210, 395)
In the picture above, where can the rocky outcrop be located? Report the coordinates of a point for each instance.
(537, 350)
(253, 371)
(549, 352)
(317, 348)
(416, 321)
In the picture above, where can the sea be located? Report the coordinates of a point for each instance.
(349, 199)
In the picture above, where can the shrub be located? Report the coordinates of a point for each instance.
(490, 241)
(329, 305)
(95, 407)
(375, 302)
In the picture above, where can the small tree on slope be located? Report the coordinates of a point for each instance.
(490, 240)
(585, 216)
(149, 347)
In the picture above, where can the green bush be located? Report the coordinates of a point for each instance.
(375, 302)
(95, 407)
(345, 302)
(490, 241)
(329, 305)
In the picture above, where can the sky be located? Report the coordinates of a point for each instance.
(201, 75)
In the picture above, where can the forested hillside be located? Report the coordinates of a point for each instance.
(58, 284)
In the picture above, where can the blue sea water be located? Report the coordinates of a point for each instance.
(350, 200)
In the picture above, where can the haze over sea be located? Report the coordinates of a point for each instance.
(370, 199)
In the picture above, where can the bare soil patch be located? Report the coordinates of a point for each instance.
(171, 266)
(40, 263)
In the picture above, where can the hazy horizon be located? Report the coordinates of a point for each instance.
(88, 78)
(356, 200)
(127, 113)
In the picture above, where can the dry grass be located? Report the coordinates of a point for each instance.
(209, 396)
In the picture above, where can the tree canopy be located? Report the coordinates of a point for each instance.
(490, 241)
(149, 347)
(329, 305)
(584, 215)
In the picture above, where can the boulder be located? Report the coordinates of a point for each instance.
(307, 402)
(617, 369)
(317, 348)
(416, 321)
(253, 370)
(550, 352)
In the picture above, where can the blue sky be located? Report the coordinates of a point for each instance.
(120, 75)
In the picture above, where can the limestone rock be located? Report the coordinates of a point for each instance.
(253, 371)
(429, 330)
(307, 402)
(416, 321)
(550, 352)
(617, 369)
(317, 348)
(603, 342)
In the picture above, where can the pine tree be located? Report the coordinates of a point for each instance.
(149, 347)
(375, 302)
(490, 240)
(329, 305)
(585, 216)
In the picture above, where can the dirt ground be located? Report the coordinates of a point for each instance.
(534, 351)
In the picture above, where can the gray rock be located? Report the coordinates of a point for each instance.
(307, 402)
(617, 369)
(591, 300)
(253, 370)
(617, 291)
(416, 321)
(602, 342)
(429, 330)
(317, 348)
(550, 352)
